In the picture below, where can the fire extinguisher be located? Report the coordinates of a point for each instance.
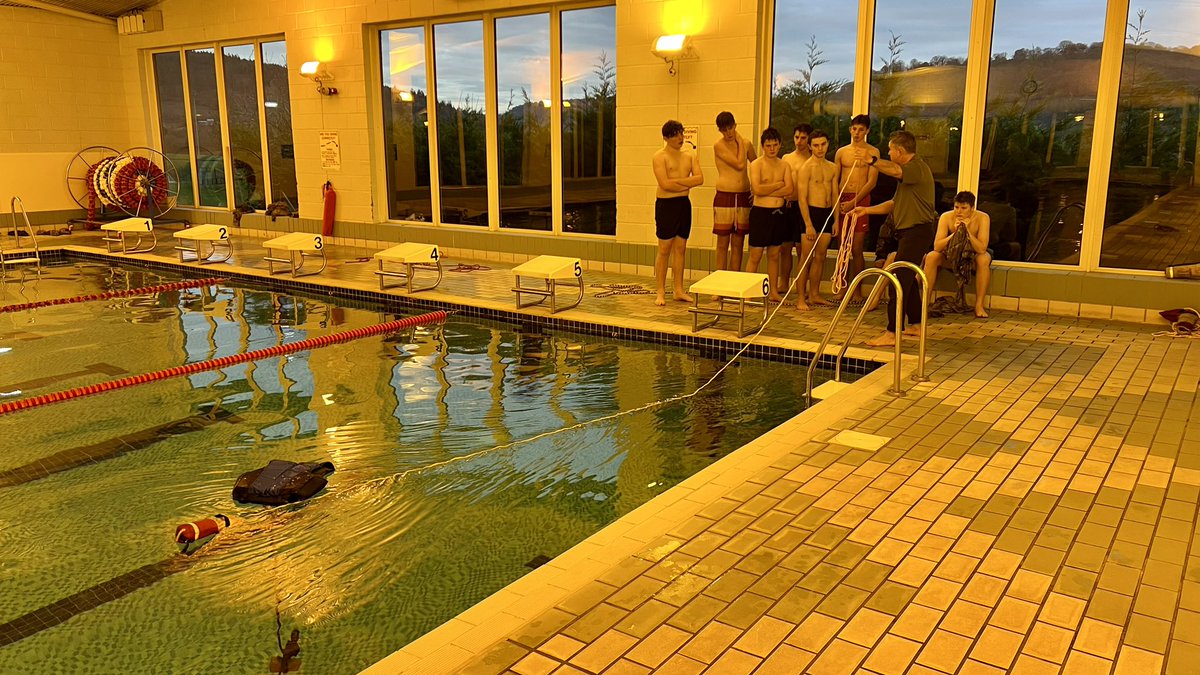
(330, 205)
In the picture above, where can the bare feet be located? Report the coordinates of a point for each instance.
(802, 306)
(913, 331)
(818, 300)
(884, 339)
(775, 297)
(680, 296)
(660, 300)
(980, 313)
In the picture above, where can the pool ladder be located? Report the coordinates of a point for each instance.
(19, 255)
(887, 274)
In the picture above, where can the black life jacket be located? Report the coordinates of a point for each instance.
(281, 482)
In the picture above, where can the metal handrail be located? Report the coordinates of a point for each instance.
(858, 279)
(14, 204)
(1056, 220)
(886, 273)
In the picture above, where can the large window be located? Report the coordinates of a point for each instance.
(589, 120)
(918, 78)
(523, 107)
(812, 74)
(461, 122)
(535, 123)
(1149, 219)
(406, 123)
(1037, 132)
(214, 104)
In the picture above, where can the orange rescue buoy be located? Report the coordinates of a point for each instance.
(189, 533)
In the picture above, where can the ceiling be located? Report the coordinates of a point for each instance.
(108, 8)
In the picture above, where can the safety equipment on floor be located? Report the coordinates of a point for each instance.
(281, 482)
(330, 198)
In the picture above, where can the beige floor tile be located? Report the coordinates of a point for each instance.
(681, 665)
(1031, 586)
(1081, 663)
(912, 571)
(1099, 638)
(839, 658)
(762, 638)
(734, 662)
(1062, 610)
(938, 593)
(786, 660)
(1014, 615)
(865, 627)
(1001, 564)
(710, 642)
(535, 664)
(603, 651)
(561, 647)
(984, 590)
(1048, 642)
(1028, 665)
(966, 618)
(944, 651)
(624, 667)
(816, 631)
(997, 647)
(1134, 661)
(917, 622)
(892, 655)
(658, 646)
(973, 667)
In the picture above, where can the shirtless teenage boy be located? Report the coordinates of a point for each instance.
(979, 230)
(855, 183)
(677, 173)
(771, 181)
(791, 209)
(817, 194)
(731, 205)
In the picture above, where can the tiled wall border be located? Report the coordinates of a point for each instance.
(708, 345)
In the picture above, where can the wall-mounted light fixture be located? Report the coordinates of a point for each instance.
(316, 72)
(672, 49)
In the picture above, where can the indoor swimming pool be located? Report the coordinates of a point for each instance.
(439, 497)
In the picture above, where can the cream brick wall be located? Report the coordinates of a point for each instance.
(61, 90)
(721, 78)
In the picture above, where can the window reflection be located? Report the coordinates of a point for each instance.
(589, 120)
(1152, 198)
(172, 121)
(206, 125)
(523, 103)
(406, 133)
(245, 137)
(1037, 131)
(918, 75)
(461, 122)
(277, 110)
(812, 74)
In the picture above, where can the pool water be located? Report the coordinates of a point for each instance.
(437, 501)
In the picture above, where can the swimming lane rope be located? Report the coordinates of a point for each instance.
(190, 283)
(224, 361)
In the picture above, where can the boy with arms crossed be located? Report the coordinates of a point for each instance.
(771, 181)
(791, 209)
(731, 204)
(677, 173)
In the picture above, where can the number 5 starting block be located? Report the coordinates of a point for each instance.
(551, 269)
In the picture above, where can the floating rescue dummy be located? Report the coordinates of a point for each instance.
(281, 482)
(188, 534)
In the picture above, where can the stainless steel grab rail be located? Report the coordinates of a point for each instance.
(885, 274)
(20, 255)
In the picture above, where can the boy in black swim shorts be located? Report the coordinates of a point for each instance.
(676, 172)
(771, 182)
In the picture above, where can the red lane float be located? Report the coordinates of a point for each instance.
(224, 361)
(178, 285)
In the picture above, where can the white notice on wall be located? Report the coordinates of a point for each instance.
(691, 134)
(331, 151)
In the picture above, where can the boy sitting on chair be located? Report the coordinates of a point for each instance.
(962, 236)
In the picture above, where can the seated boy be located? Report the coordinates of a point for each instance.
(975, 228)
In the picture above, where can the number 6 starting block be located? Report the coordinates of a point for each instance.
(551, 269)
(413, 257)
(747, 288)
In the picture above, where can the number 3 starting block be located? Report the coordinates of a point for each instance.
(748, 289)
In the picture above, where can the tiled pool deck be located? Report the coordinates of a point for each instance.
(1032, 508)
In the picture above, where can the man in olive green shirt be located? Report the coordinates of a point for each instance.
(915, 218)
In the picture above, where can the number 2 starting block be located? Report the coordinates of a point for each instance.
(747, 289)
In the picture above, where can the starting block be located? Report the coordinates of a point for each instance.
(117, 231)
(748, 289)
(193, 239)
(413, 257)
(298, 246)
(551, 269)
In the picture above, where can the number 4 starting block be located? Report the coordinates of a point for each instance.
(413, 257)
(748, 289)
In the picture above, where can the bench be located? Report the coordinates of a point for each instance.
(748, 289)
(413, 257)
(193, 239)
(298, 246)
(550, 269)
(117, 231)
